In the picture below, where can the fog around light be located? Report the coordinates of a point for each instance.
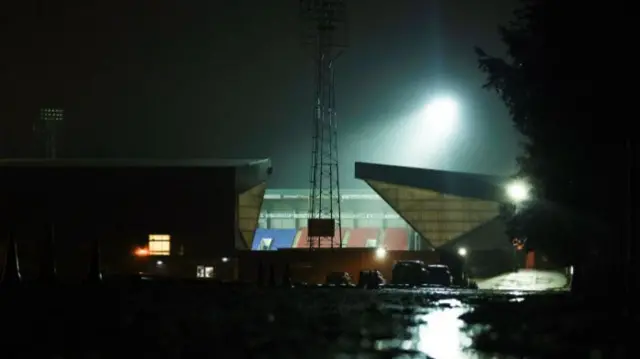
(381, 253)
(518, 191)
(430, 133)
(441, 115)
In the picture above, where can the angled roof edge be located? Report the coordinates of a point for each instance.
(304, 192)
(469, 185)
(89, 162)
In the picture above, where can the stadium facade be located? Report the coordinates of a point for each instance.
(405, 209)
(449, 211)
(176, 215)
(442, 206)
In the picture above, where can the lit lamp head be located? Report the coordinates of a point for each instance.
(518, 191)
(381, 253)
(141, 252)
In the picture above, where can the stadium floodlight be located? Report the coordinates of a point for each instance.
(441, 114)
(518, 191)
(381, 253)
(430, 132)
(462, 252)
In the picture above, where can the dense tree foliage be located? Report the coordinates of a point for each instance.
(575, 165)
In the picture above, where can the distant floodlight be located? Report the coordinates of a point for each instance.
(441, 113)
(381, 253)
(462, 252)
(225, 259)
(518, 191)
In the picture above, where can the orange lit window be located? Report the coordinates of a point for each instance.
(159, 244)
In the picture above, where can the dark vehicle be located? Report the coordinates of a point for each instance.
(439, 274)
(416, 273)
(339, 278)
(409, 273)
(371, 279)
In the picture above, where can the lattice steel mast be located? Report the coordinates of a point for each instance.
(325, 32)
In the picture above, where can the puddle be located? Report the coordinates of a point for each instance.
(439, 333)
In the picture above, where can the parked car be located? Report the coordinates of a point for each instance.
(370, 278)
(339, 278)
(439, 274)
(416, 273)
(409, 273)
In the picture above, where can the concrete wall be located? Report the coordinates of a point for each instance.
(313, 266)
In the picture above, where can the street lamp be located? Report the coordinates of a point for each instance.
(141, 252)
(381, 253)
(518, 191)
(462, 252)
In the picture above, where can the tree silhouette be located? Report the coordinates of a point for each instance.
(571, 161)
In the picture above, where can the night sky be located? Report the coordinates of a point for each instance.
(178, 79)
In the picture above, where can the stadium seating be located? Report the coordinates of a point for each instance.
(358, 237)
(302, 239)
(272, 239)
(396, 239)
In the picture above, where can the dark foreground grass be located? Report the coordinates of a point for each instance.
(555, 325)
(199, 320)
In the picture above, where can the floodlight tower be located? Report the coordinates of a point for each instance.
(325, 33)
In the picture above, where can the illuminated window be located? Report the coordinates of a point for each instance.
(159, 244)
(206, 272)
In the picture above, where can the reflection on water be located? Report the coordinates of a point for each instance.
(439, 333)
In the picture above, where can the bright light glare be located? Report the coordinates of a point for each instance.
(141, 252)
(429, 136)
(159, 263)
(443, 334)
(225, 259)
(462, 252)
(518, 191)
(441, 114)
(381, 253)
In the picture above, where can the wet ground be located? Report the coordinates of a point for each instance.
(526, 280)
(196, 320)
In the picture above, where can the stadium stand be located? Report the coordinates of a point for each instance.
(363, 237)
(272, 239)
(396, 239)
(302, 239)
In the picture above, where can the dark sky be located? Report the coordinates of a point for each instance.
(229, 78)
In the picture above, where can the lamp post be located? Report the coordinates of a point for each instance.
(518, 193)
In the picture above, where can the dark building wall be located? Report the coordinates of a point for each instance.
(489, 250)
(491, 235)
(118, 206)
(313, 266)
